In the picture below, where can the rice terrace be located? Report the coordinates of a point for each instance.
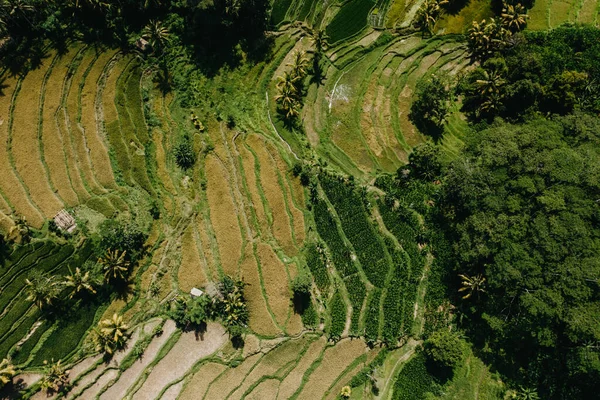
(299, 199)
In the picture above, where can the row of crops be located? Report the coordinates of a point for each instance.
(379, 271)
(23, 330)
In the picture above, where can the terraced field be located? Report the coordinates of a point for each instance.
(90, 131)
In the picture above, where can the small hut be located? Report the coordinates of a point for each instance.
(65, 221)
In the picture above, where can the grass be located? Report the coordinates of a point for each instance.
(414, 381)
(280, 8)
(475, 10)
(350, 20)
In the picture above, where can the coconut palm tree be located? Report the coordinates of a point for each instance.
(235, 308)
(298, 65)
(486, 37)
(157, 35)
(514, 17)
(115, 265)
(286, 98)
(42, 289)
(7, 371)
(287, 83)
(110, 335)
(79, 282)
(55, 377)
(473, 284)
(428, 14)
(527, 394)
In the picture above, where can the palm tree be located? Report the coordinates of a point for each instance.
(514, 17)
(318, 37)
(96, 5)
(428, 13)
(298, 65)
(286, 98)
(78, 282)
(7, 371)
(110, 335)
(527, 394)
(287, 83)
(235, 308)
(156, 34)
(473, 284)
(55, 377)
(115, 265)
(485, 38)
(42, 289)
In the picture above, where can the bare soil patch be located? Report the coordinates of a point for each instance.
(190, 348)
(230, 379)
(294, 379)
(267, 389)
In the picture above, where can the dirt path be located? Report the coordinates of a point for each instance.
(186, 352)
(410, 347)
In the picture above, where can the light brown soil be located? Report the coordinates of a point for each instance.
(227, 382)
(132, 374)
(292, 382)
(265, 390)
(187, 351)
(198, 384)
(172, 392)
(99, 384)
(248, 161)
(335, 390)
(334, 362)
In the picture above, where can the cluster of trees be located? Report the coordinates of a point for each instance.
(521, 209)
(210, 29)
(553, 72)
(229, 305)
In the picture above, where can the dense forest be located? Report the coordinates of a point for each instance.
(503, 228)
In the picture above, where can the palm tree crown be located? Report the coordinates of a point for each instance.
(474, 284)
(79, 282)
(514, 17)
(55, 377)
(110, 335)
(7, 371)
(115, 265)
(42, 289)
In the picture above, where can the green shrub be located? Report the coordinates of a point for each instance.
(372, 316)
(315, 259)
(338, 310)
(445, 349)
(185, 156)
(414, 382)
(356, 293)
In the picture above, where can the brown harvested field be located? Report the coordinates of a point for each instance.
(172, 392)
(291, 198)
(188, 350)
(11, 187)
(128, 378)
(260, 319)
(97, 148)
(159, 141)
(25, 145)
(294, 324)
(223, 215)
(207, 252)
(335, 360)
(274, 278)
(294, 379)
(99, 384)
(271, 363)
(281, 224)
(77, 137)
(230, 379)
(335, 390)
(248, 163)
(191, 273)
(197, 385)
(265, 390)
(52, 140)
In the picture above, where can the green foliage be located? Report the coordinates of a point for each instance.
(399, 297)
(350, 20)
(353, 214)
(124, 237)
(279, 10)
(316, 260)
(356, 293)
(185, 156)
(414, 382)
(328, 231)
(522, 208)
(310, 317)
(365, 374)
(372, 316)
(191, 312)
(429, 110)
(425, 162)
(338, 310)
(445, 349)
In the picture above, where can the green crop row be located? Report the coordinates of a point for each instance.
(24, 262)
(19, 331)
(327, 228)
(279, 11)
(338, 316)
(414, 381)
(351, 19)
(372, 316)
(396, 299)
(11, 263)
(356, 292)
(22, 355)
(305, 10)
(316, 263)
(359, 231)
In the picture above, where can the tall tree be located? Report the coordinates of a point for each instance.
(7, 371)
(115, 265)
(42, 289)
(79, 282)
